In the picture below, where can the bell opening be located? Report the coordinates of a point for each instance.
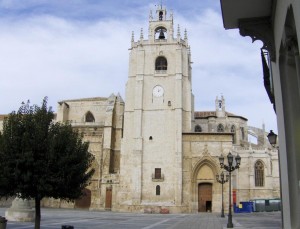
(161, 35)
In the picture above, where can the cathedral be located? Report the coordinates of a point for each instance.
(153, 151)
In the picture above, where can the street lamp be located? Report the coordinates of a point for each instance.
(272, 137)
(230, 168)
(222, 180)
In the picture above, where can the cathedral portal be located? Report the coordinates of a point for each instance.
(204, 179)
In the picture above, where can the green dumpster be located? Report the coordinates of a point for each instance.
(259, 205)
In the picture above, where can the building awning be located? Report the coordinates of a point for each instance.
(234, 10)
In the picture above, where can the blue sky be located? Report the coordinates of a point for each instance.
(76, 49)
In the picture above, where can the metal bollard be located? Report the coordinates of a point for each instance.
(65, 227)
(3, 222)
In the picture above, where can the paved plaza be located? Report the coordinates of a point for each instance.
(55, 218)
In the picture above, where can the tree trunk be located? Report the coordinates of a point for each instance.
(37, 222)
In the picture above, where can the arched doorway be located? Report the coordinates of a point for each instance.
(205, 193)
(205, 197)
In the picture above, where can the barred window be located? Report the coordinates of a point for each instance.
(259, 174)
(198, 128)
(220, 128)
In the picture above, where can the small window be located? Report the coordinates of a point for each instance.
(161, 63)
(89, 117)
(234, 135)
(157, 174)
(157, 190)
(259, 174)
(220, 128)
(232, 129)
(198, 128)
(243, 133)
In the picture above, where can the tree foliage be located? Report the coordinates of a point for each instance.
(40, 158)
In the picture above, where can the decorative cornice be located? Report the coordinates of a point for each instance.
(259, 29)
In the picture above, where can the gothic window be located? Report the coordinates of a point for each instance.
(161, 63)
(157, 173)
(157, 190)
(89, 117)
(198, 128)
(259, 174)
(234, 135)
(220, 128)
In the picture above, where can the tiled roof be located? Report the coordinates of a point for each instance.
(206, 114)
(85, 99)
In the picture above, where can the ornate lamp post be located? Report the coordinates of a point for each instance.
(222, 180)
(230, 168)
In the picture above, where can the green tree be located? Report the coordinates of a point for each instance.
(40, 158)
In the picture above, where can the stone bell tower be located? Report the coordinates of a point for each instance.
(158, 110)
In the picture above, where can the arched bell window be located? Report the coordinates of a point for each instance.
(161, 63)
(161, 33)
(259, 174)
(161, 15)
(89, 117)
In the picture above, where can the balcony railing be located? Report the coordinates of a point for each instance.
(158, 179)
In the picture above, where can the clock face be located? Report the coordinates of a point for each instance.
(158, 91)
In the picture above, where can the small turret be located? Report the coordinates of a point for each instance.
(220, 107)
(185, 35)
(150, 16)
(178, 33)
(161, 13)
(132, 37)
(142, 35)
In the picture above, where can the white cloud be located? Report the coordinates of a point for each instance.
(46, 55)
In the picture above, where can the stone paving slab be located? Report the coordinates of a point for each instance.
(55, 218)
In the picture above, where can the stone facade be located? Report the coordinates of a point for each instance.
(100, 120)
(155, 153)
